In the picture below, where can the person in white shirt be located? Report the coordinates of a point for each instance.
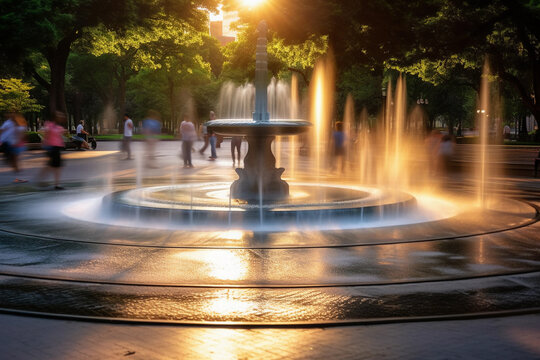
(128, 133)
(81, 135)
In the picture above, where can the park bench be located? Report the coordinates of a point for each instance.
(536, 164)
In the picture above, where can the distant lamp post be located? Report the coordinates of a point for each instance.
(425, 118)
(422, 100)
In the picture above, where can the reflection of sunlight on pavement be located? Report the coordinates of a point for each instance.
(224, 302)
(232, 235)
(225, 344)
(219, 264)
(87, 154)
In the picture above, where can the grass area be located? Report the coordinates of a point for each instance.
(33, 137)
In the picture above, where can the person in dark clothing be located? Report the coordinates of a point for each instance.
(338, 139)
(236, 144)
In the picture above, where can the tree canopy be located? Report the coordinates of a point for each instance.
(120, 54)
(51, 27)
(15, 97)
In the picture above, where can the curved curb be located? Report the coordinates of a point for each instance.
(300, 324)
(530, 222)
(270, 286)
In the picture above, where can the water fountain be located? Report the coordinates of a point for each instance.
(331, 248)
(259, 180)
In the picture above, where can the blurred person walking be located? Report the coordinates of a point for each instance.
(338, 142)
(236, 144)
(151, 129)
(206, 136)
(54, 144)
(445, 153)
(12, 134)
(213, 142)
(189, 135)
(128, 134)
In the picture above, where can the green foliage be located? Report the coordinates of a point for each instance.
(363, 85)
(15, 97)
(50, 27)
(148, 90)
(299, 56)
(210, 50)
(239, 65)
(33, 137)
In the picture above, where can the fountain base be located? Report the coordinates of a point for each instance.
(260, 180)
(209, 205)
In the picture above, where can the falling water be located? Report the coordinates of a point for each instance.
(362, 150)
(398, 169)
(321, 100)
(483, 117)
(279, 99)
(261, 222)
(230, 207)
(387, 127)
(348, 128)
(238, 101)
(389, 155)
(191, 204)
(294, 114)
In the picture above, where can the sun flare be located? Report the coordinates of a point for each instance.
(252, 3)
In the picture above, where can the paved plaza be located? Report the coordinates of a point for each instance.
(76, 291)
(513, 337)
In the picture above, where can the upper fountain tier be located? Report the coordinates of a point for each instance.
(260, 125)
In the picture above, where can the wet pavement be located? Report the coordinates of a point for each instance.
(471, 265)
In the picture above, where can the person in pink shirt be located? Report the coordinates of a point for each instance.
(54, 144)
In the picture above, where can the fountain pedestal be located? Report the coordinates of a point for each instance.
(260, 180)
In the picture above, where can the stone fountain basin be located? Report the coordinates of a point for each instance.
(210, 204)
(248, 127)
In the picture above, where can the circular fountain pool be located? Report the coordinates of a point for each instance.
(208, 205)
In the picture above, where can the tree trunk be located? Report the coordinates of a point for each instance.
(77, 108)
(172, 102)
(57, 60)
(523, 128)
(450, 126)
(122, 80)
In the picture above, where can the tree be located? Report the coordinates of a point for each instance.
(451, 34)
(300, 58)
(505, 30)
(50, 27)
(15, 97)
